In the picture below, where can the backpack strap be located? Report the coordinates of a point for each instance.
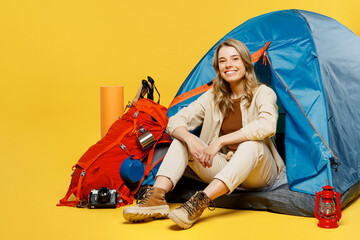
(64, 201)
(82, 175)
(125, 195)
(149, 160)
(165, 138)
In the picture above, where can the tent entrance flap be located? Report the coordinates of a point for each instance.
(264, 75)
(307, 153)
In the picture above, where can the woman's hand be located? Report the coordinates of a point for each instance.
(209, 153)
(204, 155)
(196, 148)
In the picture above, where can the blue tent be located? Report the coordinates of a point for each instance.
(313, 64)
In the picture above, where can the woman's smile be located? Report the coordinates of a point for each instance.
(230, 72)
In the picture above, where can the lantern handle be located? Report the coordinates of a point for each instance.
(327, 182)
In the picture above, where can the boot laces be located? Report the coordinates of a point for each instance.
(145, 195)
(198, 200)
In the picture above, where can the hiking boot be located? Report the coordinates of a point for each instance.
(188, 213)
(152, 206)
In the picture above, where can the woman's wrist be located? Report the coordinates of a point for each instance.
(189, 138)
(182, 134)
(220, 142)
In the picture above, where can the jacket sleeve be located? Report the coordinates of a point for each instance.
(264, 125)
(191, 116)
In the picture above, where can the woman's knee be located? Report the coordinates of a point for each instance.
(178, 145)
(251, 146)
(177, 152)
(249, 152)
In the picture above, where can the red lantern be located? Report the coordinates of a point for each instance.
(326, 210)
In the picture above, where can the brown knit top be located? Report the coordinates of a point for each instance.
(232, 122)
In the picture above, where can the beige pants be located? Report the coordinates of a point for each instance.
(252, 166)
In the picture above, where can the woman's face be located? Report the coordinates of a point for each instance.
(231, 67)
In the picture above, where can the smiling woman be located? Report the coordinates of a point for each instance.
(235, 76)
(223, 156)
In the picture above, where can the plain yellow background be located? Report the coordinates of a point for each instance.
(54, 56)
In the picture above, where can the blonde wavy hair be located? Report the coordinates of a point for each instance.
(222, 88)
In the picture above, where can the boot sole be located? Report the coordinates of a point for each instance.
(179, 222)
(141, 214)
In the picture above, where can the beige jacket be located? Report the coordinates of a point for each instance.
(259, 120)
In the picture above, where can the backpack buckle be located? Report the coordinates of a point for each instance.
(82, 174)
(130, 104)
(136, 115)
(123, 147)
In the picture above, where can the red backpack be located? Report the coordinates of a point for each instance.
(99, 166)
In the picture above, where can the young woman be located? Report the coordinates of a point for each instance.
(238, 117)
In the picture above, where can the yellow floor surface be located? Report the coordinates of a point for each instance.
(37, 217)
